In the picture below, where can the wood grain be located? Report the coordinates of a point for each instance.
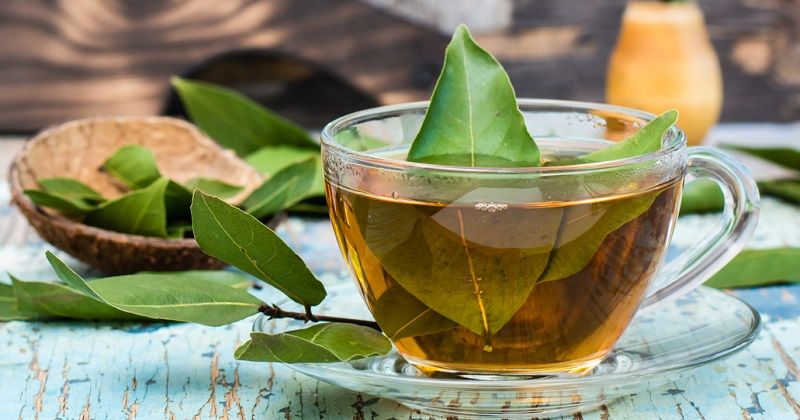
(64, 59)
(67, 59)
(99, 370)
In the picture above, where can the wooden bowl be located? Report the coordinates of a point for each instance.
(77, 149)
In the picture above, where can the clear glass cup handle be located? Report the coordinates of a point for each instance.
(739, 217)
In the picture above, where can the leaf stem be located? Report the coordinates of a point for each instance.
(309, 315)
(273, 311)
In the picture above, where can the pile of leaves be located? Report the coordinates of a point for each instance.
(153, 205)
(281, 150)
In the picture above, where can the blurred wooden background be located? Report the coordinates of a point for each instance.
(312, 60)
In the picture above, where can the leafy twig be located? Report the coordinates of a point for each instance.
(273, 311)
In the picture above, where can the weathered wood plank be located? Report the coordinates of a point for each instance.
(64, 370)
(67, 59)
(64, 59)
(188, 370)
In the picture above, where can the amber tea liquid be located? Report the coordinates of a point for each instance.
(405, 252)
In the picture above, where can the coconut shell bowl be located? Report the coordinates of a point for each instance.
(78, 149)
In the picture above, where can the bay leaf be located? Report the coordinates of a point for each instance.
(213, 187)
(69, 276)
(177, 200)
(133, 165)
(400, 315)
(473, 159)
(8, 305)
(645, 140)
(317, 189)
(463, 271)
(71, 189)
(271, 159)
(287, 187)
(785, 189)
(473, 112)
(164, 296)
(759, 267)
(237, 238)
(583, 229)
(68, 207)
(358, 141)
(236, 122)
(701, 196)
(45, 300)
(704, 196)
(139, 212)
(320, 343)
(173, 298)
(178, 232)
(309, 208)
(783, 156)
(222, 277)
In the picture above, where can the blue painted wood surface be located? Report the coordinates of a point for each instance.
(95, 370)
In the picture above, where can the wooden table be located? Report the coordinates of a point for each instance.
(82, 370)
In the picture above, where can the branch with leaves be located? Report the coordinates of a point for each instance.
(212, 298)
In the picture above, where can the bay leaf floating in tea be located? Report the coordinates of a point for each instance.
(473, 118)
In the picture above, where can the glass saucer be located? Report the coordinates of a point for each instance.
(661, 344)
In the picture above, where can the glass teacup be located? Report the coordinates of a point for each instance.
(520, 270)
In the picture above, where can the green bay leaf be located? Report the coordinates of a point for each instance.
(321, 343)
(213, 187)
(161, 296)
(317, 190)
(72, 279)
(645, 140)
(177, 200)
(139, 212)
(785, 189)
(177, 232)
(701, 196)
(401, 315)
(583, 229)
(236, 122)
(759, 267)
(8, 305)
(231, 235)
(71, 189)
(473, 113)
(221, 277)
(271, 159)
(783, 156)
(358, 141)
(186, 297)
(287, 187)
(454, 268)
(705, 196)
(45, 300)
(66, 206)
(309, 207)
(133, 165)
